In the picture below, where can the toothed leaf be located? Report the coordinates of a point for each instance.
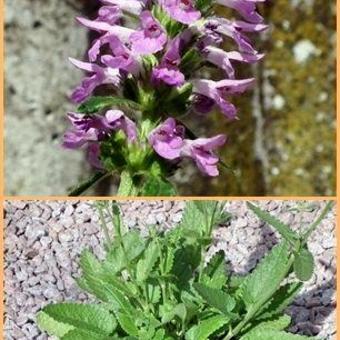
(267, 334)
(214, 273)
(258, 286)
(283, 297)
(216, 298)
(127, 323)
(282, 228)
(147, 262)
(207, 327)
(88, 317)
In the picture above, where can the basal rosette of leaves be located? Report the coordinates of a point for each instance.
(151, 59)
(161, 287)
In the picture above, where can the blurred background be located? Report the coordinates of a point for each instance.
(283, 144)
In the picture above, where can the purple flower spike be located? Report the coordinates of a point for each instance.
(116, 120)
(168, 71)
(100, 75)
(181, 10)
(218, 90)
(247, 8)
(201, 151)
(168, 139)
(151, 38)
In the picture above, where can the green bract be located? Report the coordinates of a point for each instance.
(160, 287)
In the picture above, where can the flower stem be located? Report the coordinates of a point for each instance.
(81, 188)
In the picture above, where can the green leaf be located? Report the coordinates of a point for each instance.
(126, 186)
(236, 281)
(283, 297)
(214, 273)
(278, 323)
(169, 259)
(96, 104)
(51, 326)
(199, 217)
(268, 274)
(127, 323)
(304, 265)
(268, 334)
(94, 274)
(134, 246)
(160, 334)
(154, 293)
(155, 186)
(89, 263)
(187, 260)
(169, 312)
(88, 317)
(282, 228)
(80, 334)
(216, 298)
(207, 327)
(147, 262)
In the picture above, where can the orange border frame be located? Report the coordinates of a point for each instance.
(184, 198)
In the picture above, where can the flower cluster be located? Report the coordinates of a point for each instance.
(148, 55)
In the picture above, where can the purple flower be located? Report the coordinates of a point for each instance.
(181, 10)
(131, 6)
(218, 90)
(218, 27)
(121, 58)
(150, 38)
(201, 151)
(222, 59)
(84, 129)
(168, 142)
(109, 14)
(116, 120)
(247, 8)
(93, 155)
(96, 128)
(123, 33)
(203, 104)
(99, 75)
(168, 139)
(168, 71)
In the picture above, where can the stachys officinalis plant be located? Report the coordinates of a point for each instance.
(151, 60)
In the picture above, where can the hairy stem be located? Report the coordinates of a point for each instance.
(104, 226)
(314, 225)
(209, 229)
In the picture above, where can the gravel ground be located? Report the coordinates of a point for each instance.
(44, 239)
